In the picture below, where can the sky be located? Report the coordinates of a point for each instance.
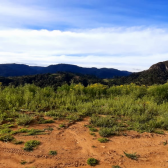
(123, 34)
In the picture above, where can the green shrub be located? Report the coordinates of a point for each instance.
(24, 119)
(62, 125)
(103, 140)
(23, 162)
(93, 129)
(92, 133)
(17, 142)
(116, 166)
(29, 145)
(52, 152)
(132, 156)
(5, 131)
(6, 138)
(92, 161)
(102, 121)
(35, 132)
(23, 130)
(106, 132)
(43, 121)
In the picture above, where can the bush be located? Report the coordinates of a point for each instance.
(52, 152)
(24, 119)
(103, 140)
(102, 121)
(116, 166)
(93, 129)
(105, 132)
(6, 138)
(29, 145)
(132, 156)
(92, 161)
(43, 121)
(35, 132)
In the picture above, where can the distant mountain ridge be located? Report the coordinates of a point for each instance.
(7, 70)
(156, 74)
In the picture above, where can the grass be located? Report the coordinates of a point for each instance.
(92, 133)
(23, 162)
(132, 156)
(93, 129)
(16, 142)
(111, 109)
(6, 138)
(62, 125)
(165, 143)
(103, 140)
(35, 132)
(116, 166)
(43, 121)
(24, 119)
(92, 161)
(52, 152)
(30, 145)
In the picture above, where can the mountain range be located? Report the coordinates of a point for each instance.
(156, 74)
(7, 70)
(56, 75)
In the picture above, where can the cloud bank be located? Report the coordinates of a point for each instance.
(133, 48)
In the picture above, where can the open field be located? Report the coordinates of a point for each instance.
(121, 126)
(74, 145)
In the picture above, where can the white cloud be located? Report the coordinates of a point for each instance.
(123, 48)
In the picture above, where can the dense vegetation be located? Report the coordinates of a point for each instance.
(111, 109)
(156, 74)
(53, 80)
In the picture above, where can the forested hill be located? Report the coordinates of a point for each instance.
(156, 74)
(54, 80)
(7, 70)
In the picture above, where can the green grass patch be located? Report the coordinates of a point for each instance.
(132, 156)
(30, 145)
(92, 161)
(6, 138)
(103, 140)
(52, 152)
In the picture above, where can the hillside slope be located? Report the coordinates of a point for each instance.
(156, 74)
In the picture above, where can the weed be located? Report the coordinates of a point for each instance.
(93, 146)
(116, 166)
(17, 142)
(29, 145)
(43, 121)
(48, 129)
(103, 140)
(132, 156)
(24, 119)
(165, 143)
(52, 152)
(92, 133)
(6, 138)
(62, 125)
(5, 131)
(105, 132)
(159, 132)
(23, 130)
(23, 162)
(92, 161)
(35, 132)
(93, 129)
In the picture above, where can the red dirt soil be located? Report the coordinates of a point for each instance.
(74, 145)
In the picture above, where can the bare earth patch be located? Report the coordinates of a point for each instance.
(74, 145)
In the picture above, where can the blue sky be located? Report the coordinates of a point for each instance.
(123, 34)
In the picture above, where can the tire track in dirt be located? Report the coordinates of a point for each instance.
(21, 152)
